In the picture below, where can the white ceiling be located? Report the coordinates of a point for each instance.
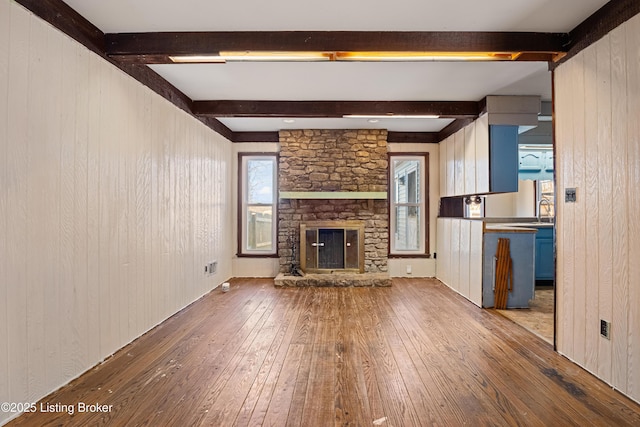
(340, 81)
(115, 16)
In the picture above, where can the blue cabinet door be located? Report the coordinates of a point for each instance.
(503, 158)
(544, 254)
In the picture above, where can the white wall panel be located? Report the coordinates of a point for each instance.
(5, 15)
(459, 162)
(620, 218)
(442, 163)
(112, 201)
(482, 154)
(590, 193)
(605, 201)
(561, 101)
(475, 262)
(465, 252)
(633, 173)
(459, 263)
(578, 211)
(41, 227)
(470, 158)
(597, 140)
(449, 146)
(16, 191)
(68, 294)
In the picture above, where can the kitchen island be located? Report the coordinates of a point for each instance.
(465, 255)
(522, 252)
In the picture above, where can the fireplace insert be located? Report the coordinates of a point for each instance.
(332, 246)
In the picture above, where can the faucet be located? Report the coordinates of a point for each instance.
(540, 203)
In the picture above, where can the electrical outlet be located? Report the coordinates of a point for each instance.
(408, 269)
(570, 195)
(605, 329)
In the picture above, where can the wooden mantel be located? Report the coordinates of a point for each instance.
(327, 195)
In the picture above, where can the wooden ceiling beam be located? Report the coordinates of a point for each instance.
(598, 25)
(444, 109)
(454, 127)
(157, 47)
(413, 137)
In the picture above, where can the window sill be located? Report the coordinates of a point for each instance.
(400, 256)
(257, 256)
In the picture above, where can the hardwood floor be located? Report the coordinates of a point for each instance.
(414, 354)
(538, 317)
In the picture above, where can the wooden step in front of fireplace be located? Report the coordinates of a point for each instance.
(334, 280)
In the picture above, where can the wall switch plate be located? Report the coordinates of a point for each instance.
(605, 329)
(570, 195)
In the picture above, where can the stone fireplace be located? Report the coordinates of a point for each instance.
(335, 178)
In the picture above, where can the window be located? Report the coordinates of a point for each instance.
(257, 214)
(545, 191)
(409, 224)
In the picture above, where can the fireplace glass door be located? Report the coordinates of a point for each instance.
(331, 249)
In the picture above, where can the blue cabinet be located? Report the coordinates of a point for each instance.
(503, 158)
(544, 254)
(535, 164)
(522, 256)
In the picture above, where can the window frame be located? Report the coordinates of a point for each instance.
(423, 250)
(243, 205)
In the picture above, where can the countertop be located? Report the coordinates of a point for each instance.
(516, 227)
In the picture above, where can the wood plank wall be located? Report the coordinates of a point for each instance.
(597, 111)
(459, 248)
(111, 203)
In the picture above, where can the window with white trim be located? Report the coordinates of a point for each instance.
(258, 204)
(408, 207)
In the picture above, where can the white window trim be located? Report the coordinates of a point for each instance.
(422, 205)
(244, 205)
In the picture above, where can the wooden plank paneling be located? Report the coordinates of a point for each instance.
(633, 173)
(442, 159)
(94, 116)
(597, 101)
(578, 212)
(40, 189)
(620, 220)
(459, 162)
(67, 334)
(440, 249)
(482, 154)
(605, 201)
(465, 253)
(81, 335)
(475, 263)
(449, 143)
(454, 264)
(156, 202)
(560, 100)
(53, 275)
(78, 159)
(142, 211)
(470, 159)
(592, 322)
(568, 232)
(108, 219)
(5, 31)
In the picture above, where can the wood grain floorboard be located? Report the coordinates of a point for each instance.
(414, 354)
